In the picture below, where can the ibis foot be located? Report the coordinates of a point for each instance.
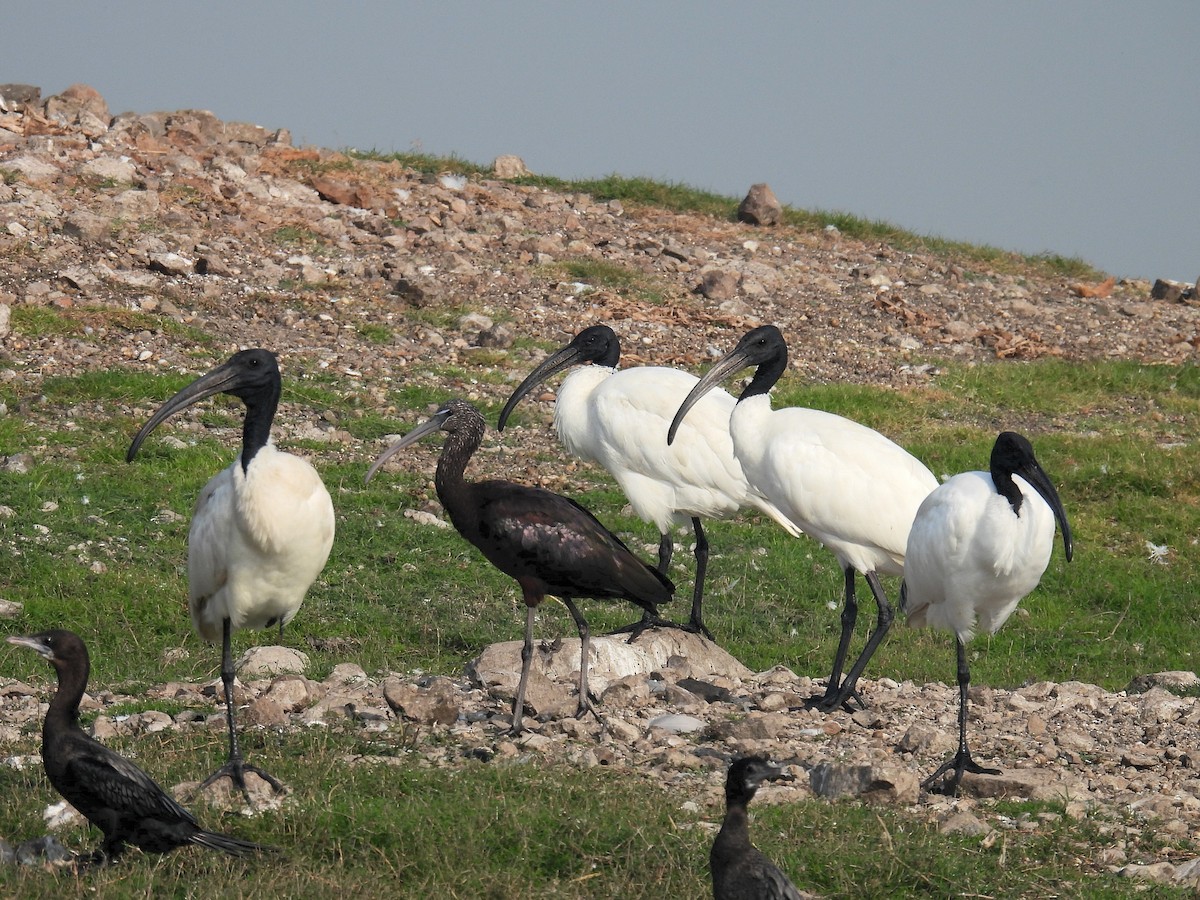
(235, 770)
(960, 763)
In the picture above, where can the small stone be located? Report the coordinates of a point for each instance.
(760, 206)
(717, 284)
(509, 166)
(266, 712)
(272, 660)
(677, 724)
(963, 822)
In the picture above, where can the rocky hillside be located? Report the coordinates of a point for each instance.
(150, 229)
(229, 227)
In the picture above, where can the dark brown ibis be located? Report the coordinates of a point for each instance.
(548, 543)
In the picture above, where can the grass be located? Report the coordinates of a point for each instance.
(92, 323)
(390, 827)
(99, 543)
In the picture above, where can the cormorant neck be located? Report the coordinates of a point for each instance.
(735, 828)
(72, 681)
(256, 428)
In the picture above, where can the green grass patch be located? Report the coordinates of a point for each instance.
(99, 545)
(92, 322)
(369, 818)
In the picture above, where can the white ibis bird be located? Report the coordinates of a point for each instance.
(618, 419)
(548, 543)
(740, 871)
(979, 544)
(844, 484)
(261, 531)
(108, 790)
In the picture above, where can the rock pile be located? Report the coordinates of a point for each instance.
(677, 705)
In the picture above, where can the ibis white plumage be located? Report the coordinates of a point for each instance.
(978, 545)
(846, 485)
(261, 531)
(618, 419)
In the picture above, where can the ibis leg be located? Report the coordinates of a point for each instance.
(961, 761)
(829, 701)
(526, 660)
(696, 622)
(235, 767)
(585, 633)
(666, 547)
(848, 688)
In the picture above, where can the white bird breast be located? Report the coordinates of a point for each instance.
(971, 560)
(257, 542)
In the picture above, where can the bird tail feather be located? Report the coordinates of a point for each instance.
(228, 844)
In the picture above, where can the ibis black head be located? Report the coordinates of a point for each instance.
(1012, 454)
(745, 776)
(59, 647)
(763, 347)
(453, 416)
(250, 375)
(596, 344)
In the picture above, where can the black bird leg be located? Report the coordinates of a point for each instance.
(235, 767)
(526, 660)
(848, 688)
(831, 699)
(961, 761)
(586, 698)
(696, 622)
(666, 548)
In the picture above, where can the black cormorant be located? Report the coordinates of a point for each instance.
(107, 789)
(739, 870)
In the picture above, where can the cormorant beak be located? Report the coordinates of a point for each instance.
(33, 643)
(223, 378)
(733, 361)
(552, 365)
(432, 425)
(777, 773)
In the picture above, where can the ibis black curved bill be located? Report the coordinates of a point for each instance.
(733, 361)
(1033, 473)
(550, 366)
(247, 368)
(1012, 454)
(433, 424)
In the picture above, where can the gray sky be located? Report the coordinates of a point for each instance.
(1068, 127)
